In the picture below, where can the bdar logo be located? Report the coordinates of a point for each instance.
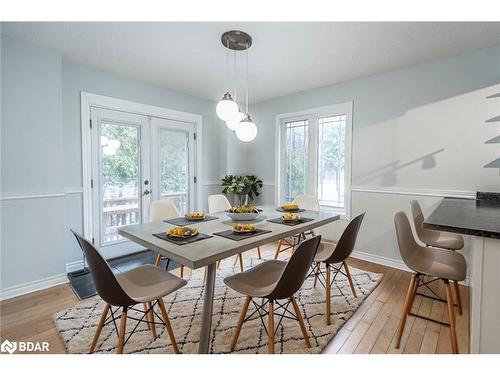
(9, 347)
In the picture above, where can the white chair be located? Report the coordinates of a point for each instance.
(219, 203)
(307, 202)
(163, 209)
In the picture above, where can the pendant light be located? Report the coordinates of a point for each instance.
(246, 131)
(227, 108)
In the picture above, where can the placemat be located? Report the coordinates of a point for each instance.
(182, 241)
(292, 211)
(181, 221)
(279, 220)
(240, 236)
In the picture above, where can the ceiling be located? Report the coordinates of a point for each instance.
(284, 58)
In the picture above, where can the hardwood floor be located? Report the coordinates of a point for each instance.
(372, 328)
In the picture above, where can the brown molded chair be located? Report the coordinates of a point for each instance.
(445, 265)
(275, 280)
(337, 254)
(145, 284)
(435, 238)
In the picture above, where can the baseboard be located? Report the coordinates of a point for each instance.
(74, 266)
(32, 286)
(390, 262)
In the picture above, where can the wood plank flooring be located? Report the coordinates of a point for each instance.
(371, 329)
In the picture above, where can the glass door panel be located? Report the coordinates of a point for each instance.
(174, 167)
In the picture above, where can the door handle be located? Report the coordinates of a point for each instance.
(146, 192)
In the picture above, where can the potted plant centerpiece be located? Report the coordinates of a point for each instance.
(244, 188)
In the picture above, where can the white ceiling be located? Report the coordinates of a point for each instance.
(285, 57)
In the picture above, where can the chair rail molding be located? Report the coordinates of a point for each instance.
(19, 195)
(415, 191)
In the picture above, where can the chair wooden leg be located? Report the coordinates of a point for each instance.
(157, 260)
(168, 326)
(328, 295)
(316, 273)
(270, 328)
(151, 317)
(258, 252)
(182, 271)
(278, 249)
(240, 258)
(451, 316)
(218, 264)
(145, 308)
(348, 273)
(406, 309)
(121, 334)
(459, 298)
(240, 323)
(301, 321)
(104, 315)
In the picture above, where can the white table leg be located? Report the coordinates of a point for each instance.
(208, 304)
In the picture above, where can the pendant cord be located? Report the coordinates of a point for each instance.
(246, 90)
(235, 75)
(227, 61)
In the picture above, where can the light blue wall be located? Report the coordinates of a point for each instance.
(398, 118)
(41, 153)
(32, 161)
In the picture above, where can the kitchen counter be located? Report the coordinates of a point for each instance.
(479, 218)
(475, 217)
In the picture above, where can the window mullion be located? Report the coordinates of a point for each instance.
(312, 186)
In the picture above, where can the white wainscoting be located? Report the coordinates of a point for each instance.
(415, 192)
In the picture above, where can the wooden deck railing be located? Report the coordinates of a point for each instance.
(125, 211)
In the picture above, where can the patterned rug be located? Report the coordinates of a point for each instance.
(77, 325)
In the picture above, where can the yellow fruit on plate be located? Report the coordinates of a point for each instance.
(289, 217)
(195, 215)
(290, 206)
(244, 227)
(182, 231)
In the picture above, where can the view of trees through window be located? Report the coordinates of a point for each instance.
(328, 162)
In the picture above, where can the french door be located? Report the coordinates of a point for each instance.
(137, 159)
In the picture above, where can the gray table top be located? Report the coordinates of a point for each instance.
(475, 217)
(204, 252)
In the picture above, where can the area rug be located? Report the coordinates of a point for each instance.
(77, 325)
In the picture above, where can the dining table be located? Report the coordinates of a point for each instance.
(208, 251)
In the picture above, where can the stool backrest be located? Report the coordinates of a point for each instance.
(218, 203)
(296, 270)
(418, 220)
(106, 284)
(347, 240)
(163, 209)
(307, 202)
(408, 247)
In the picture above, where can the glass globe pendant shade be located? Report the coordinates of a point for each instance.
(227, 109)
(246, 130)
(233, 124)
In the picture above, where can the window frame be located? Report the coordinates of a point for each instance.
(312, 116)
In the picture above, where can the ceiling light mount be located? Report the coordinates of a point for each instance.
(236, 40)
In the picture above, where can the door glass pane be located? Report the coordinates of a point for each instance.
(120, 178)
(174, 167)
(296, 150)
(331, 150)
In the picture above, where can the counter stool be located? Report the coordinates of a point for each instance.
(145, 285)
(274, 281)
(437, 239)
(442, 264)
(336, 255)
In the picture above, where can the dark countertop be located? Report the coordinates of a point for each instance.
(475, 217)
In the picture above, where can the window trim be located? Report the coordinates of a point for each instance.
(312, 115)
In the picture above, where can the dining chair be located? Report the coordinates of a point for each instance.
(271, 282)
(436, 239)
(145, 284)
(163, 209)
(335, 258)
(307, 202)
(438, 263)
(220, 203)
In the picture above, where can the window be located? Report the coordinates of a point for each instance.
(314, 155)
